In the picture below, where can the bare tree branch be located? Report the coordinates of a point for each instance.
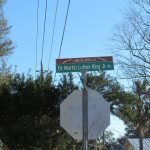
(132, 41)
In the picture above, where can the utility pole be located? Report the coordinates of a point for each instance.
(42, 71)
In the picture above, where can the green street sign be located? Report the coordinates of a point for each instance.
(88, 66)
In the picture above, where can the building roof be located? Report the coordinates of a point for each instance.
(135, 143)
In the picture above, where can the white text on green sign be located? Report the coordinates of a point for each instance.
(88, 66)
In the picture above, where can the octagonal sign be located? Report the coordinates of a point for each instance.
(98, 114)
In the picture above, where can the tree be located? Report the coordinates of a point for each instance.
(135, 111)
(107, 139)
(29, 109)
(29, 113)
(6, 45)
(143, 109)
(131, 41)
(131, 107)
(66, 85)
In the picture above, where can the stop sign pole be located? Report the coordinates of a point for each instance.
(85, 112)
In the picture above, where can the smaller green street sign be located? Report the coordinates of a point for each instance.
(88, 66)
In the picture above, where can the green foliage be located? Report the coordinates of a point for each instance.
(29, 109)
(66, 85)
(100, 82)
(109, 136)
(128, 106)
(29, 113)
(6, 45)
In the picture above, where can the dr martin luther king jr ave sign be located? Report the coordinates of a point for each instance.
(87, 63)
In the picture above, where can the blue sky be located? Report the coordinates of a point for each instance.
(89, 27)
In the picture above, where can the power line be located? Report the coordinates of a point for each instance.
(64, 29)
(52, 40)
(37, 33)
(43, 42)
(62, 38)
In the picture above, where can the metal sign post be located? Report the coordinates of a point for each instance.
(85, 112)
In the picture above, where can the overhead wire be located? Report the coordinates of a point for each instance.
(53, 33)
(43, 41)
(37, 33)
(64, 28)
(62, 38)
